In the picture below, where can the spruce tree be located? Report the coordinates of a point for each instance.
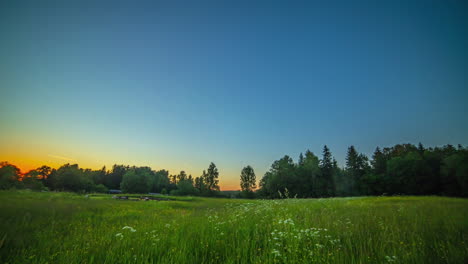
(326, 182)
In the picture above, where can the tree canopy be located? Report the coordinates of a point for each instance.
(403, 169)
(247, 180)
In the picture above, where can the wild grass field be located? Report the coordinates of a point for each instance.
(71, 228)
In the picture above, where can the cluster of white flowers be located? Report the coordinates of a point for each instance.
(278, 234)
(285, 230)
(214, 221)
(153, 237)
(311, 232)
(286, 221)
(391, 258)
(120, 235)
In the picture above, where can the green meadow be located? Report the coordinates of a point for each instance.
(69, 228)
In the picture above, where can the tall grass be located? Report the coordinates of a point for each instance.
(69, 228)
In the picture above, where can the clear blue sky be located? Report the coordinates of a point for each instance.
(178, 84)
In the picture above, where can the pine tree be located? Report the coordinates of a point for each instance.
(327, 182)
(357, 165)
(378, 162)
(301, 160)
(421, 149)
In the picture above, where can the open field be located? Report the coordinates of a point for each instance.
(70, 228)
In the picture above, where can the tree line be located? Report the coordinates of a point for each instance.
(128, 179)
(403, 169)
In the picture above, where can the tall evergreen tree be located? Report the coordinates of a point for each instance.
(309, 175)
(352, 168)
(326, 180)
(300, 162)
(421, 149)
(378, 162)
(356, 167)
(373, 181)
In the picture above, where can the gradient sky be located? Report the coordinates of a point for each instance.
(176, 85)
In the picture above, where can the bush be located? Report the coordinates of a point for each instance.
(100, 188)
(33, 184)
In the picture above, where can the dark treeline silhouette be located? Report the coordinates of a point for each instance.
(128, 179)
(403, 169)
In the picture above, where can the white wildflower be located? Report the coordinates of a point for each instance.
(276, 253)
(130, 228)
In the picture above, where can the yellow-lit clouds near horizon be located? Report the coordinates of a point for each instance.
(61, 158)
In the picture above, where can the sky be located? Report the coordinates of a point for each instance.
(179, 84)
